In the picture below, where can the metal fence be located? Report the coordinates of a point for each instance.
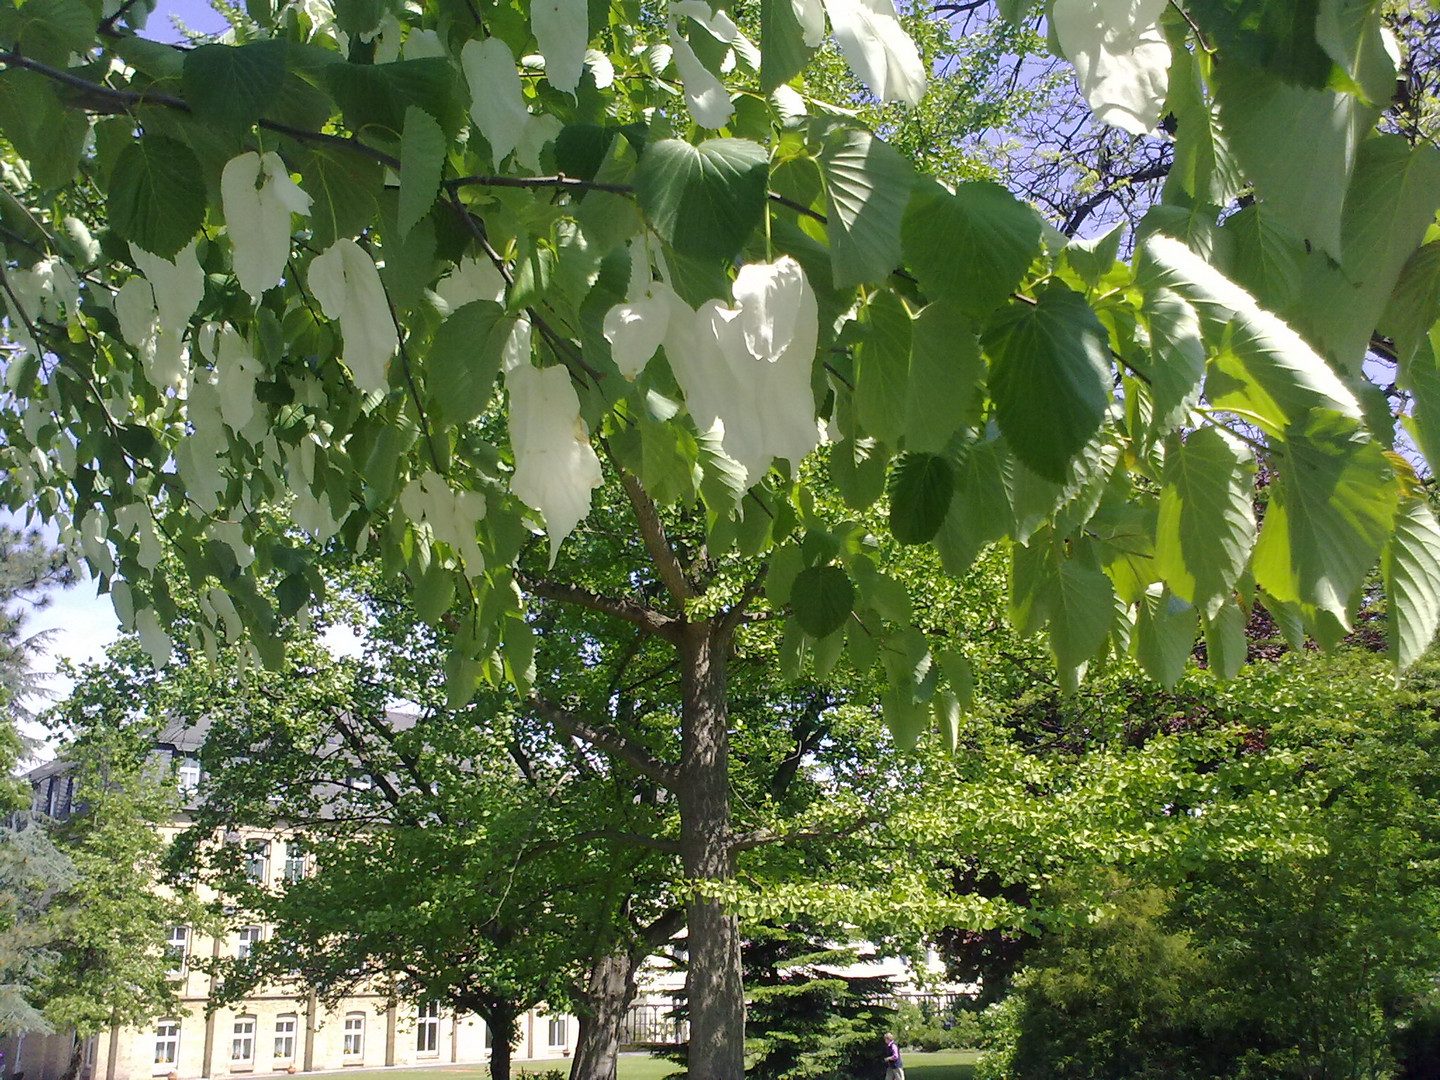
(649, 1024)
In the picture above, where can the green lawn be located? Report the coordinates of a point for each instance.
(945, 1065)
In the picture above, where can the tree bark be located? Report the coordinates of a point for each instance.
(608, 992)
(77, 1058)
(501, 1018)
(714, 987)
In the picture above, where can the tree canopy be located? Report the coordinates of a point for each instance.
(414, 281)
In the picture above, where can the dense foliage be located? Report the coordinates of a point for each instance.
(413, 281)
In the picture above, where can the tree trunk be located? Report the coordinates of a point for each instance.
(77, 1058)
(608, 992)
(714, 987)
(501, 1018)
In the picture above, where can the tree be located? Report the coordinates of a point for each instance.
(31, 868)
(1101, 419)
(103, 927)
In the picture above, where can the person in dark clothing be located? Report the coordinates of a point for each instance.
(894, 1066)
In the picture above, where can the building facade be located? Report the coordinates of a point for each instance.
(281, 1030)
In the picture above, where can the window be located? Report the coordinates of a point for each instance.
(559, 1030)
(249, 938)
(242, 1045)
(187, 774)
(427, 1028)
(285, 1035)
(297, 860)
(177, 941)
(354, 1045)
(257, 860)
(487, 1034)
(167, 1043)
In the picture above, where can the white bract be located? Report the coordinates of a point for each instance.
(555, 466)
(877, 48)
(705, 95)
(153, 638)
(236, 370)
(748, 368)
(421, 44)
(154, 311)
(1120, 57)
(472, 279)
(562, 30)
(497, 99)
(259, 198)
(450, 514)
(345, 281)
(810, 14)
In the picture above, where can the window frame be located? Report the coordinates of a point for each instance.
(356, 1033)
(180, 956)
(246, 938)
(167, 1034)
(427, 1023)
(257, 862)
(239, 1037)
(562, 1024)
(285, 1035)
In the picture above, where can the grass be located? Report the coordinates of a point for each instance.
(944, 1065)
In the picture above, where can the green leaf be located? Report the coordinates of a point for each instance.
(47, 135)
(355, 17)
(979, 511)
(783, 52)
(157, 195)
(785, 565)
(434, 593)
(1412, 581)
(464, 358)
(920, 491)
(519, 652)
(1082, 610)
(971, 248)
(50, 30)
(1275, 36)
(942, 392)
(704, 200)
(1225, 641)
(422, 156)
(1414, 305)
(374, 97)
(1092, 258)
(1421, 377)
(344, 186)
(1177, 357)
(857, 469)
(1049, 378)
(1267, 256)
(959, 675)
(867, 187)
(822, 598)
(231, 85)
(1350, 33)
(1206, 528)
(580, 149)
(883, 594)
(1297, 146)
(882, 367)
(1393, 197)
(1164, 635)
(1330, 511)
(1203, 169)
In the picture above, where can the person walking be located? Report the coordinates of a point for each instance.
(894, 1066)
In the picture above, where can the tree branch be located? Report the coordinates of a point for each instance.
(1085, 209)
(648, 619)
(99, 98)
(607, 740)
(732, 618)
(652, 531)
(761, 837)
